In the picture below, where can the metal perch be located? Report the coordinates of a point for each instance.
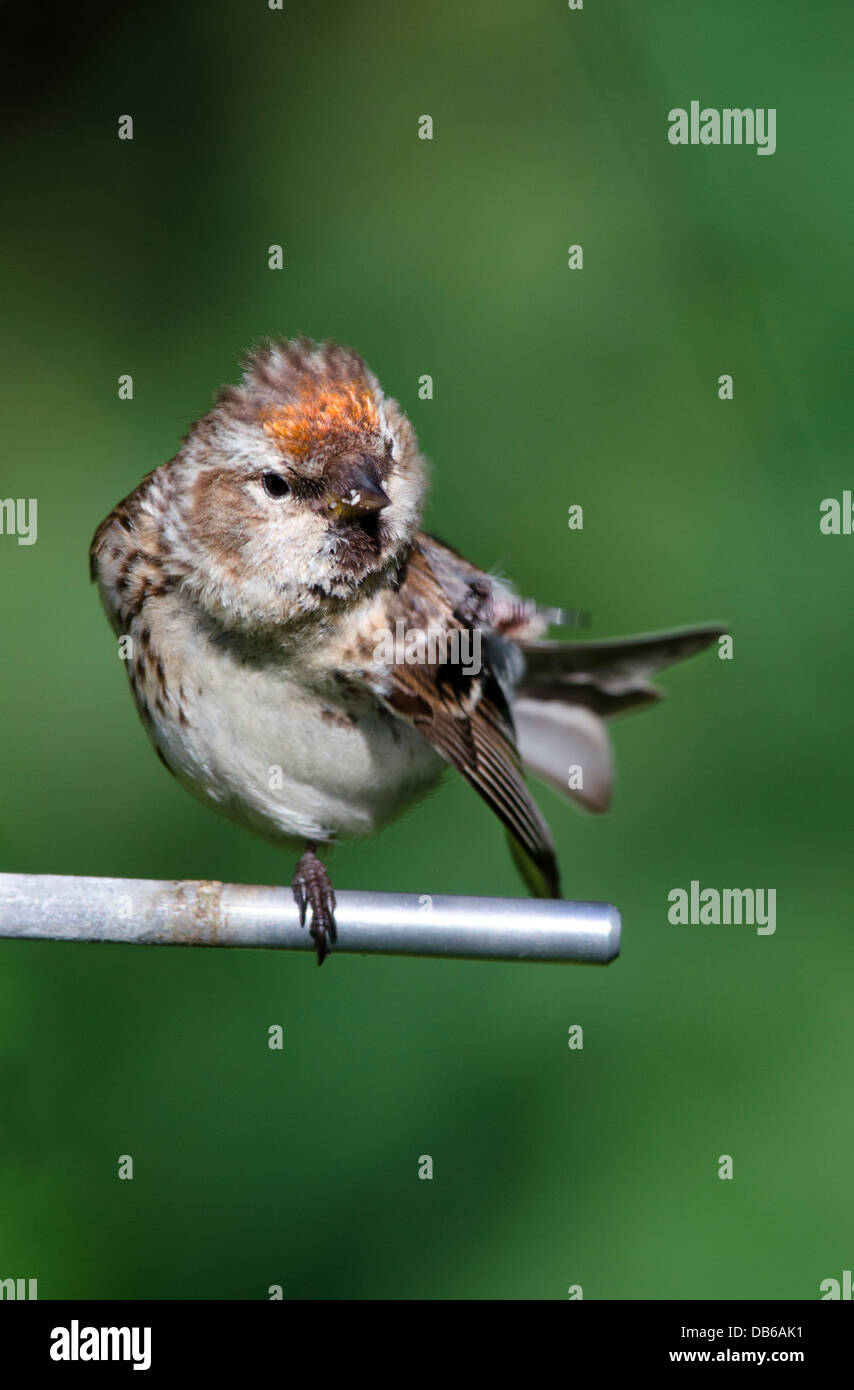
(151, 912)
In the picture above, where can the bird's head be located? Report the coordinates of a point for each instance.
(302, 487)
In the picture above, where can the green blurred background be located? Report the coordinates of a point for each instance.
(552, 1167)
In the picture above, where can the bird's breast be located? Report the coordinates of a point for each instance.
(278, 746)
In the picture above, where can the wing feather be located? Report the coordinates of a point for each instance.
(464, 713)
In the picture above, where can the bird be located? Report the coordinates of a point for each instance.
(259, 583)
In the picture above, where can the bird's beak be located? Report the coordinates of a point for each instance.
(355, 490)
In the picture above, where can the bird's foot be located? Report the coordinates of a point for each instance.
(312, 888)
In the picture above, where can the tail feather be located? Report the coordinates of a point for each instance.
(566, 746)
(570, 688)
(609, 677)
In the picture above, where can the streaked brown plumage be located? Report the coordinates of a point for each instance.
(254, 572)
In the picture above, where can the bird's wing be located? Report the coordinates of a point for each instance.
(461, 707)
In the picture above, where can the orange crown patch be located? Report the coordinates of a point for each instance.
(320, 417)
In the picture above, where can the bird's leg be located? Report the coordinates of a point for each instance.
(312, 888)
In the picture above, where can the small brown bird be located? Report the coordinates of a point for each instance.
(307, 661)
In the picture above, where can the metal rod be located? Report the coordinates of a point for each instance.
(50, 907)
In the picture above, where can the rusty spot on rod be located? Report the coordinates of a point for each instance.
(192, 912)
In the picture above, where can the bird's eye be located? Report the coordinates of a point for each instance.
(275, 485)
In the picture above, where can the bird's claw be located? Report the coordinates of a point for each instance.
(312, 888)
(301, 896)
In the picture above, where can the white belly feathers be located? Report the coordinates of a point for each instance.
(287, 759)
